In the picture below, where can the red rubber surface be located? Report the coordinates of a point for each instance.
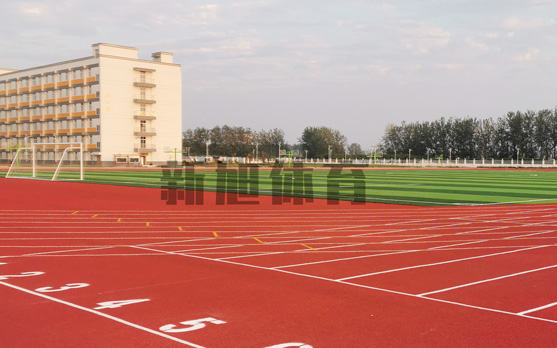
(270, 273)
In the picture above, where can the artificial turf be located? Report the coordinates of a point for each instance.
(410, 186)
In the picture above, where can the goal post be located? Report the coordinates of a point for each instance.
(51, 167)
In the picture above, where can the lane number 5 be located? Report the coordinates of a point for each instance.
(190, 325)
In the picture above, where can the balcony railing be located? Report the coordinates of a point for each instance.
(144, 82)
(145, 148)
(144, 131)
(144, 99)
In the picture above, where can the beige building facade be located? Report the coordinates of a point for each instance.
(125, 111)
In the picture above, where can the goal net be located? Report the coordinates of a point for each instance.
(48, 161)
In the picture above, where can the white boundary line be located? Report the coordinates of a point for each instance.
(485, 281)
(102, 315)
(351, 284)
(538, 308)
(441, 263)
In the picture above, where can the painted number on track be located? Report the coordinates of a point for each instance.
(291, 345)
(191, 325)
(62, 288)
(118, 304)
(23, 274)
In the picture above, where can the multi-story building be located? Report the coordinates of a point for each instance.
(123, 109)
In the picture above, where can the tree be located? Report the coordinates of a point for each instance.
(195, 140)
(318, 139)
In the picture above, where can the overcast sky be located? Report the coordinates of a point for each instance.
(351, 65)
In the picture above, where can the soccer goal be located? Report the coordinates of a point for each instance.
(48, 161)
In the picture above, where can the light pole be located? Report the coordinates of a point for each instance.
(409, 154)
(279, 144)
(206, 149)
(517, 151)
(306, 155)
(256, 152)
(450, 154)
(428, 154)
(329, 150)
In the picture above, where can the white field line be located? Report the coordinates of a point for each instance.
(440, 263)
(485, 281)
(107, 316)
(364, 256)
(356, 244)
(538, 308)
(352, 284)
(530, 234)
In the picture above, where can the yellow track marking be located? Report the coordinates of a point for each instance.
(216, 235)
(307, 246)
(94, 216)
(257, 240)
(180, 228)
(75, 212)
(147, 224)
(119, 219)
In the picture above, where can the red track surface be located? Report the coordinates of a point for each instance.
(269, 275)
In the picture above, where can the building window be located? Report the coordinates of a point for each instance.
(63, 76)
(77, 74)
(36, 81)
(24, 83)
(13, 84)
(50, 78)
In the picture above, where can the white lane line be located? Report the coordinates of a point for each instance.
(350, 284)
(440, 263)
(538, 308)
(530, 234)
(486, 281)
(102, 315)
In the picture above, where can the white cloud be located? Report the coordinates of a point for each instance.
(517, 23)
(377, 69)
(477, 44)
(421, 38)
(206, 12)
(451, 67)
(531, 55)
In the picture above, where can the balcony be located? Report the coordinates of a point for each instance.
(144, 115)
(144, 82)
(143, 148)
(144, 99)
(144, 132)
(92, 79)
(78, 82)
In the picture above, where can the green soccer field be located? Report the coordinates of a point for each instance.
(416, 187)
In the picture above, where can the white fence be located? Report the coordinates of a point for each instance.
(433, 163)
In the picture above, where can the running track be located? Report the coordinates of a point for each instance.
(107, 266)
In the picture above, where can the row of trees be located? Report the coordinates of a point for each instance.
(232, 141)
(526, 134)
(244, 142)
